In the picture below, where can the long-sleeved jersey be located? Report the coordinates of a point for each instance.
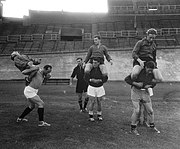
(96, 73)
(144, 50)
(21, 62)
(143, 77)
(100, 52)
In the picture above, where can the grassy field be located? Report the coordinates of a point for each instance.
(72, 130)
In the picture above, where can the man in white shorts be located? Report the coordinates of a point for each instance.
(95, 89)
(30, 93)
(139, 93)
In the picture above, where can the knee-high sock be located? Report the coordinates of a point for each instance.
(86, 102)
(26, 112)
(41, 114)
(80, 104)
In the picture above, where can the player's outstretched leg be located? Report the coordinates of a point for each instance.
(25, 112)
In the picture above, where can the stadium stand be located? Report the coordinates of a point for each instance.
(120, 29)
(125, 23)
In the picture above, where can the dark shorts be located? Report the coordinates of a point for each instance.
(101, 60)
(81, 87)
(135, 62)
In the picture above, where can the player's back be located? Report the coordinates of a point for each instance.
(21, 62)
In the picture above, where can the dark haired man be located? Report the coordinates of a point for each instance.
(140, 93)
(25, 64)
(97, 50)
(95, 89)
(30, 93)
(81, 85)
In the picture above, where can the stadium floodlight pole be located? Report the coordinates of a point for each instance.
(136, 11)
(1, 10)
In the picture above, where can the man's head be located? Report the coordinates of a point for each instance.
(151, 34)
(97, 39)
(96, 62)
(47, 69)
(14, 54)
(149, 66)
(79, 61)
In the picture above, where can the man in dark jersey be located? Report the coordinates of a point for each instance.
(95, 89)
(139, 93)
(97, 50)
(144, 51)
(81, 86)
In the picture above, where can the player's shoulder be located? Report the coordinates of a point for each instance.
(140, 41)
(104, 47)
(91, 47)
(75, 68)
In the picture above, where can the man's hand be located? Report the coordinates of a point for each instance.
(147, 86)
(47, 76)
(141, 62)
(138, 84)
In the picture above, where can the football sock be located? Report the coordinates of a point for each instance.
(26, 112)
(86, 102)
(80, 104)
(90, 114)
(41, 114)
(99, 113)
(133, 127)
(152, 125)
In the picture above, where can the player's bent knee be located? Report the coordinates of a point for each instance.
(133, 76)
(150, 112)
(40, 104)
(32, 107)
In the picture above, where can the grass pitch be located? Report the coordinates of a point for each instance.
(72, 130)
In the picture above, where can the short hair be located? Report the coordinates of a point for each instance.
(151, 31)
(46, 67)
(96, 59)
(150, 64)
(79, 58)
(97, 36)
(14, 54)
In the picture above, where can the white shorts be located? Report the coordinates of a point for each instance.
(95, 91)
(30, 92)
